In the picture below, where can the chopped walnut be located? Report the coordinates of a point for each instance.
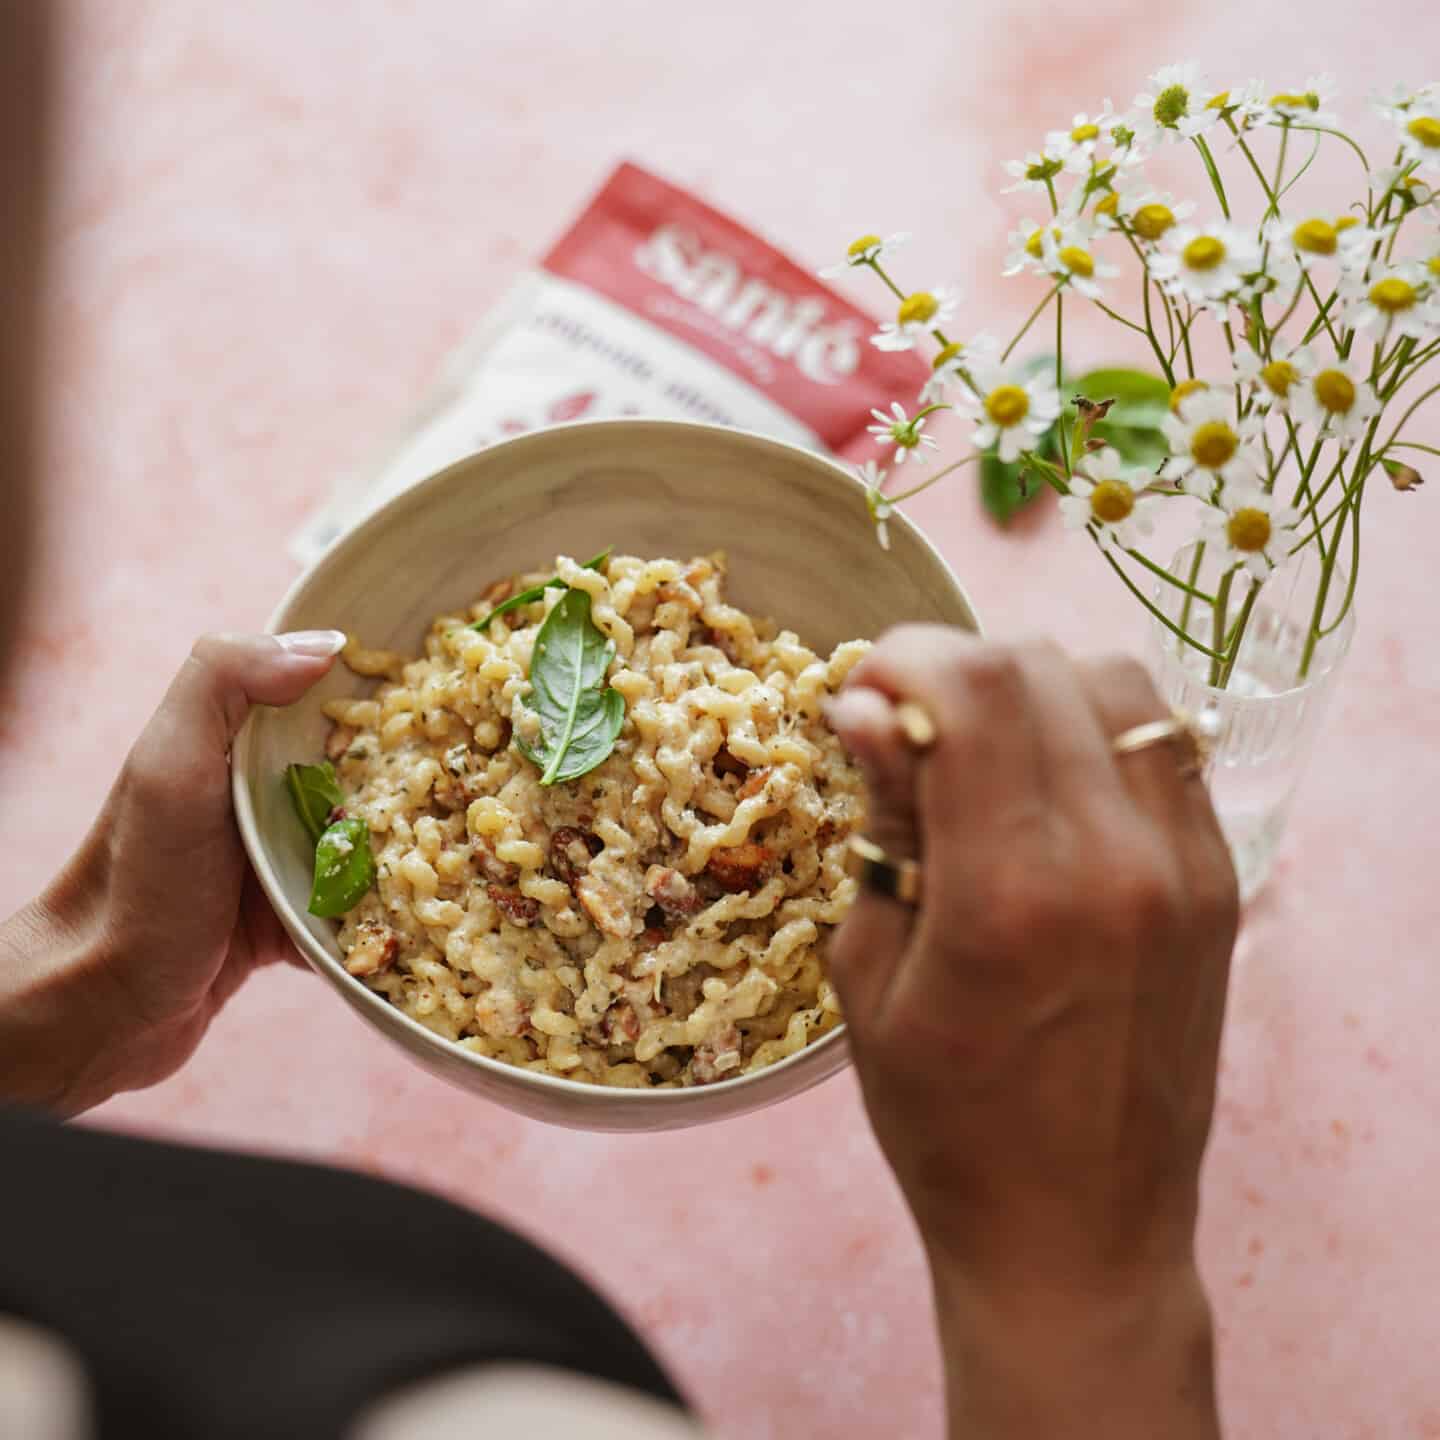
(671, 891)
(716, 1056)
(571, 851)
(605, 906)
(754, 784)
(375, 948)
(518, 909)
(339, 740)
(740, 867)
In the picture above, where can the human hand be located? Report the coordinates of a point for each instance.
(1038, 1041)
(109, 979)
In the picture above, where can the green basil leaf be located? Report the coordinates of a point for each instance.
(580, 716)
(344, 868)
(537, 592)
(1141, 447)
(315, 793)
(1004, 488)
(1141, 401)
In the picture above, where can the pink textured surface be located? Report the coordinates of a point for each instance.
(275, 219)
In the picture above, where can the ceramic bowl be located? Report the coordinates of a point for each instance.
(800, 550)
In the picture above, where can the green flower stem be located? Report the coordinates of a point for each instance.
(1339, 135)
(1162, 573)
(1050, 190)
(1213, 173)
(1410, 445)
(1237, 634)
(1219, 615)
(1160, 615)
(934, 479)
(1185, 338)
(1196, 562)
(1129, 324)
(1299, 175)
(1033, 317)
(1145, 283)
(1418, 402)
(1060, 380)
(1354, 570)
(879, 269)
(1277, 184)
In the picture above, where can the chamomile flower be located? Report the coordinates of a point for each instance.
(1319, 239)
(863, 251)
(1037, 171)
(1206, 266)
(1395, 300)
(1416, 118)
(1015, 410)
(905, 434)
(1412, 190)
(1246, 106)
(1177, 105)
(1027, 249)
(1306, 106)
(1337, 400)
(1130, 142)
(1208, 446)
(1070, 257)
(1275, 382)
(1075, 146)
(949, 366)
(1251, 529)
(917, 316)
(872, 477)
(1147, 213)
(1110, 497)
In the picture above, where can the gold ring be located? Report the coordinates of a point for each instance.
(915, 724)
(897, 879)
(1194, 739)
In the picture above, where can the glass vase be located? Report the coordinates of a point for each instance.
(1268, 709)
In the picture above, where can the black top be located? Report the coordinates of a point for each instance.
(215, 1295)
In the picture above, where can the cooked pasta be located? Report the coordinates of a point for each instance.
(661, 920)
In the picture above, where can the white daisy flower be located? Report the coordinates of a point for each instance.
(1036, 171)
(1252, 529)
(1337, 400)
(1075, 146)
(1317, 240)
(872, 477)
(1416, 118)
(918, 315)
(1274, 382)
(865, 250)
(1014, 410)
(1306, 106)
(1395, 300)
(1069, 256)
(1130, 144)
(1027, 249)
(1111, 498)
(949, 366)
(1414, 190)
(1209, 447)
(1146, 212)
(905, 434)
(1246, 106)
(1207, 266)
(1177, 105)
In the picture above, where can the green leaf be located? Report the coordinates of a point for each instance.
(580, 717)
(344, 868)
(1004, 488)
(537, 592)
(315, 793)
(1145, 448)
(1141, 401)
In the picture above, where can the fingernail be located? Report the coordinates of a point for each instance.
(860, 715)
(314, 644)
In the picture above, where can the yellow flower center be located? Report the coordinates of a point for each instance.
(1318, 237)
(1109, 205)
(1425, 129)
(1081, 133)
(1077, 261)
(860, 246)
(1152, 221)
(1172, 105)
(1248, 530)
(1183, 391)
(1204, 252)
(947, 354)
(1213, 443)
(1335, 390)
(1286, 100)
(1433, 266)
(1035, 245)
(1111, 501)
(1279, 376)
(919, 308)
(1218, 102)
(1345, 222)
(1392, 295)
(1007, 405)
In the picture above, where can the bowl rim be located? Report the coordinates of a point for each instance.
(386, 1015)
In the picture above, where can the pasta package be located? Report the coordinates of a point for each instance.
(652, 304)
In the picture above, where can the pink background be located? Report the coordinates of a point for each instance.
(274, 220)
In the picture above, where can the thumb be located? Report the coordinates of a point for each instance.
(868, 947)
(184, 748)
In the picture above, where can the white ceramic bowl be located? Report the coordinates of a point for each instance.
(800, 550)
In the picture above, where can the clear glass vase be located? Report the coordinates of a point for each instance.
(1268, 712)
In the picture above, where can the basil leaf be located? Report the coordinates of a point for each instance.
(580, 716)
(537, 592)
(344, 868)
(1142, 447)
(315, 793)
(1004, 488)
